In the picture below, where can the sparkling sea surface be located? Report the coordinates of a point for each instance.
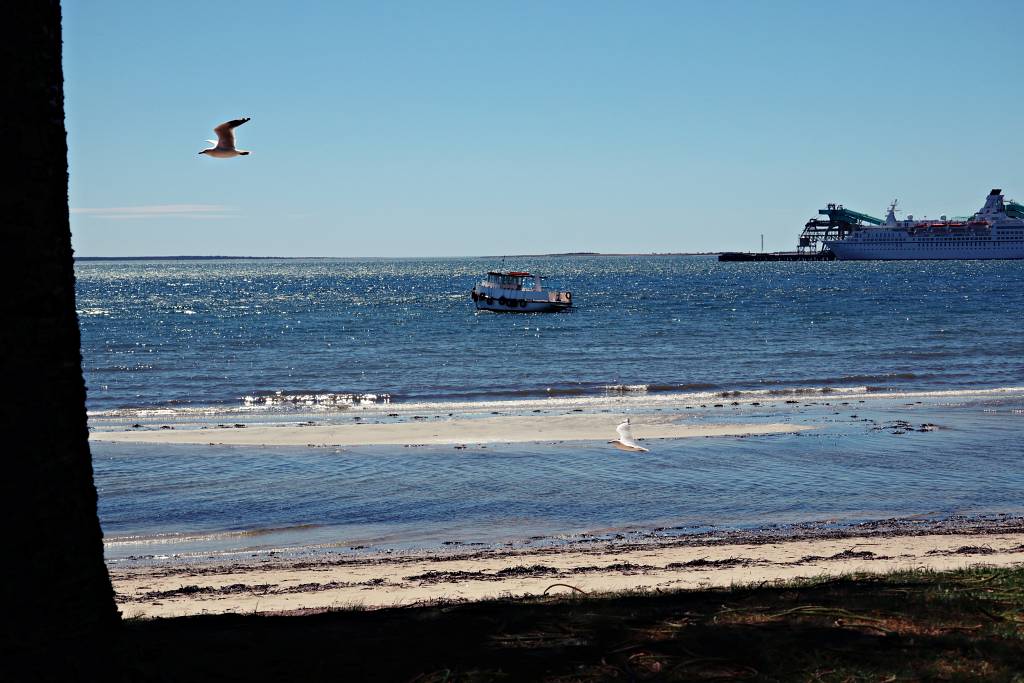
(262, 340)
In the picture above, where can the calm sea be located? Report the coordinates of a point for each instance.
(202, 333)
(272, 338)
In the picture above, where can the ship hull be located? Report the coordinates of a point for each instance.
(910, 250)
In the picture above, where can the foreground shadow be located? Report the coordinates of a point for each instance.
(917, 627)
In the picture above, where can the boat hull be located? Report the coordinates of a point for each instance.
(512, 305)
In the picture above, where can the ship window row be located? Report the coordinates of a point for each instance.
(943, 243)
(938, 244)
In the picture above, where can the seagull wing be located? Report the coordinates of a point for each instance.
(626, 436)
(226, 133)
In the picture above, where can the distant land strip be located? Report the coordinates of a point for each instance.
(598, 253)
(322, 258)
(183, 258)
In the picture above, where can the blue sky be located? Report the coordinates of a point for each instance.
(481, 128)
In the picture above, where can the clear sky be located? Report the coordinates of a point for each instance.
(479, 128)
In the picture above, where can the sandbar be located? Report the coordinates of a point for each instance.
(444, 431)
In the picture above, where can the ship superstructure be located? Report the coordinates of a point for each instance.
(994, 232)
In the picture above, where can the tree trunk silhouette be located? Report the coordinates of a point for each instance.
(56, 591)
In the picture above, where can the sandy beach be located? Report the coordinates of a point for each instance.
(162, 581)
(441, 431)
(270, 584)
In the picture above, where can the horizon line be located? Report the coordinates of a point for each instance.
(210, 257)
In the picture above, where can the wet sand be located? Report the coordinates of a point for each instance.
(271, 584)
(444, 431)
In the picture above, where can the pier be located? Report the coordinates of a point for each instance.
(734, 256)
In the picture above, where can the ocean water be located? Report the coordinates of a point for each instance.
(853, 347)
(210, 333)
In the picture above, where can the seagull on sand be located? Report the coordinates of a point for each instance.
(625, 441)
(224, 145)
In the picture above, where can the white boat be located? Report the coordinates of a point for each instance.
(994, 232)
(518, 292)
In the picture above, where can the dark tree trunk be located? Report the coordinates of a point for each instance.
(56, 592)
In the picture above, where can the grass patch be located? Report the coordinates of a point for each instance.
(922, 625)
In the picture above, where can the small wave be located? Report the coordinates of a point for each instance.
(816, 382)
(199, 537)
(315, 399)
(655, 388)
(610, 396)
(164, 539)
(846, 379)
(626, 388)
(557, 391)
(279, 529)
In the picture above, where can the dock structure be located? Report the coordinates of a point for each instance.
(838, 222)
(745, 256)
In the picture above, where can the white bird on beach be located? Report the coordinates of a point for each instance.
(625, 441)
(224, 145)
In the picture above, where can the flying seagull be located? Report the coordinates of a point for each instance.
(224, 145)
(625, 441)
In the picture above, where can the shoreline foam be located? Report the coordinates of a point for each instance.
(616, 398)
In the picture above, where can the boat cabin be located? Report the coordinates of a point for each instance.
(514, 280)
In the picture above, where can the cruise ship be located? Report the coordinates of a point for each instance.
(994, 232)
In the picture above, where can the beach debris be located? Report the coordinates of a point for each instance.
(197, 590)
(848, 554)
(966, 550)
(518, 571)
(563, 585)
(704, 563)
(898, 427)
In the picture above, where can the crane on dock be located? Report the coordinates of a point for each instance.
(839, 223)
